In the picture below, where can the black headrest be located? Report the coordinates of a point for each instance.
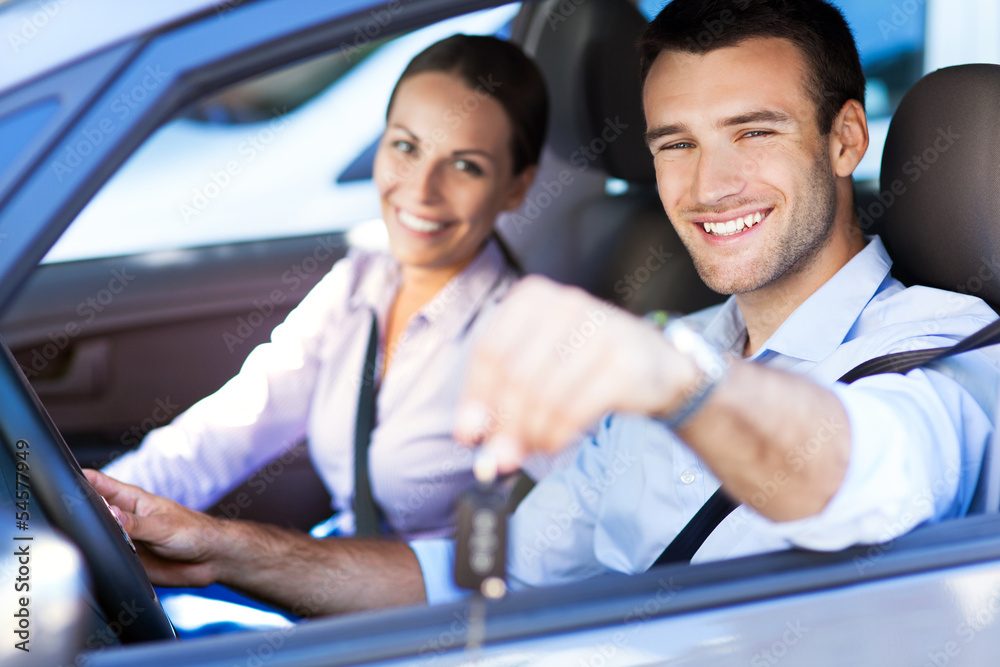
(940, 182)
(587, 53)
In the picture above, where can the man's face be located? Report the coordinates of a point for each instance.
(742, 169)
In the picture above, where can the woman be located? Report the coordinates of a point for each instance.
(465, 126)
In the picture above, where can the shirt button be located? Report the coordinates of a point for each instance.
(687, 476)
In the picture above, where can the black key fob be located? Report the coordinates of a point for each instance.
(481, 543)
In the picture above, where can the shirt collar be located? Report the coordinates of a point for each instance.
(454, 306)
(821, 323)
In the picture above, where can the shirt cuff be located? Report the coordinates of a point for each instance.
(437, 559)
(885, 489)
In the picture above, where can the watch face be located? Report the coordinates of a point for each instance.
(711, 363)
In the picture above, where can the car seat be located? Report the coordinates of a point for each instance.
(939, 198)
(615, 239)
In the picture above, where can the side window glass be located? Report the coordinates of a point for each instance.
(891, 40)
(282, 155)
(17, 131)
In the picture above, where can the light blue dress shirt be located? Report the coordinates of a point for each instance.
(917, 443)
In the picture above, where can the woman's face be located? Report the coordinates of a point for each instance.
(444, 171)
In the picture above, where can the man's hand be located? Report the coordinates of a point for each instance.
(174, 542)
(556, 359)
(553, 361)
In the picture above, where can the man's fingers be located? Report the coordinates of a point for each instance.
(508, 452)
(473, 420)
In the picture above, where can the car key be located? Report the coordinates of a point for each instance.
(481, 545)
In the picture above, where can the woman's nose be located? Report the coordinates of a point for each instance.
(424, 180)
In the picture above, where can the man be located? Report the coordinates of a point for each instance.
(754, 138)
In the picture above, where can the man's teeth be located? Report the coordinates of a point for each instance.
(411, 221)
(733, 226)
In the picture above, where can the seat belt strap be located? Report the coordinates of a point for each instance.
(903, 362)
(683, 547)
(367, 517)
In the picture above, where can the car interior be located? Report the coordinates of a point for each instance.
(136, 360)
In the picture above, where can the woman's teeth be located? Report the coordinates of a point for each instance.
(733, 226)
(423, 225)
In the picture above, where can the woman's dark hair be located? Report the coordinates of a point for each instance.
(816, 27)
(501, 70)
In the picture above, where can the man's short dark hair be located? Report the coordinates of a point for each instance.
(817, 28)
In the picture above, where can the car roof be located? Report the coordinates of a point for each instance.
(44, 34)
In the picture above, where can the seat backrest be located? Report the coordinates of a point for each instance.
(623, 246)
(940, 182)
(940, 194)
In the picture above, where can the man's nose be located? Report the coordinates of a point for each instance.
(720, 173)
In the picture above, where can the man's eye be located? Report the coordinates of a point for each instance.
(758, 133)
(679, 145)
(468, 167)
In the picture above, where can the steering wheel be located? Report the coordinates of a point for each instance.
(59, 489)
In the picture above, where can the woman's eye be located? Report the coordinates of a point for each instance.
(468, 167)
(404, 146)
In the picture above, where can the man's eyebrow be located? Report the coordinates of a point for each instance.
(759, 116)
(660, 131)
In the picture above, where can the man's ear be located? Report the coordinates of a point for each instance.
(519, 187)
(848, 138)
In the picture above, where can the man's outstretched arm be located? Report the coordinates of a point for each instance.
(536, 388)
(309, 577)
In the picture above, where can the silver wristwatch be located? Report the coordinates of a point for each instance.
(712, 365)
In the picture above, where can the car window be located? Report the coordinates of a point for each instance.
(263, 159)
(18, 128)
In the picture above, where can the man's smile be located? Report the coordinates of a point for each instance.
(729, 225)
